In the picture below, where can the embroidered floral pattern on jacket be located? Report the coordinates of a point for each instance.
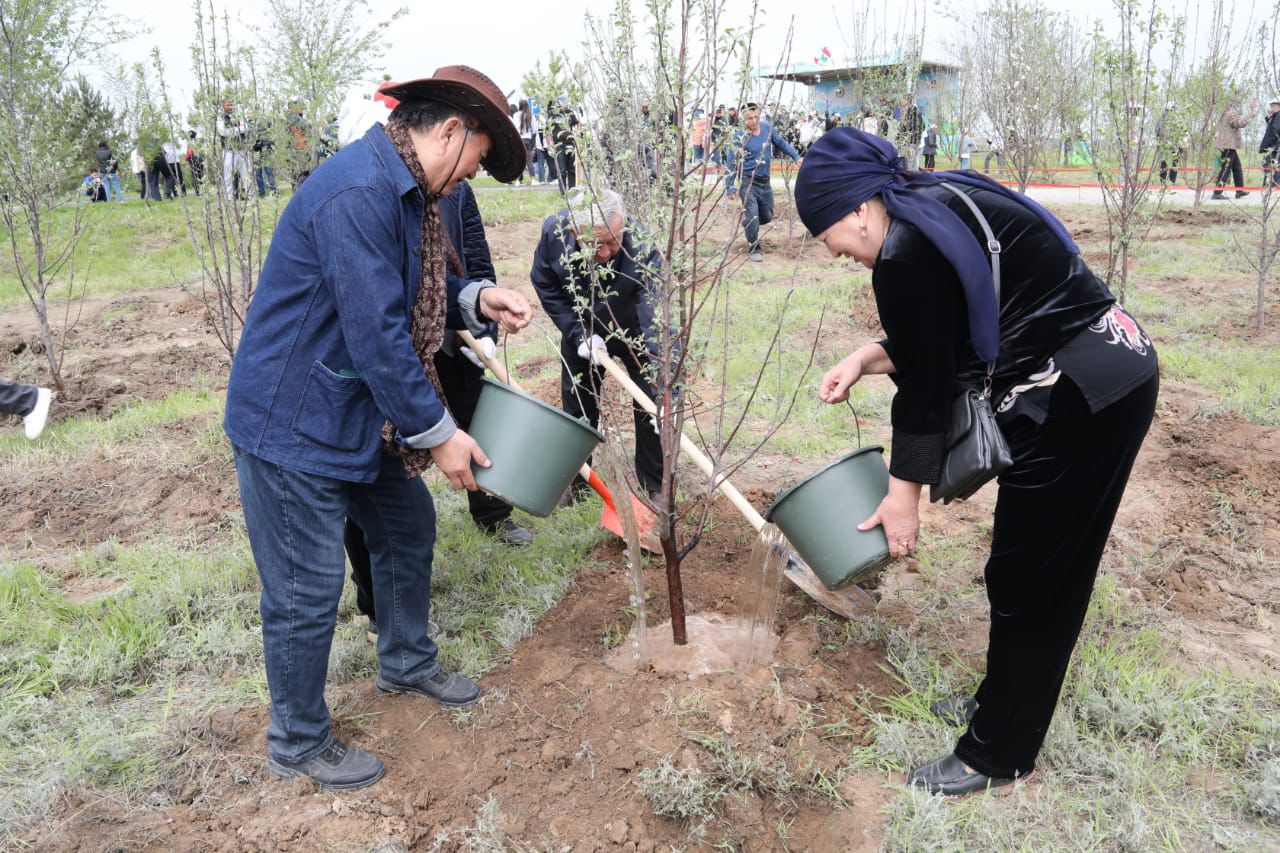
(1123, 329)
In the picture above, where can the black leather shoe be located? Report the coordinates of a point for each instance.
(338, 767)
(955, 710)
(1241, 193)
(947, 777)
(450, 689)
(511, 533)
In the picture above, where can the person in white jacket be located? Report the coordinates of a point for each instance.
(139, 166)
(233, 131)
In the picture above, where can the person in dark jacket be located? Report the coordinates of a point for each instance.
(1072, 377)
(1270, 146)
(929, 147)
(910, 129)
(461, 375)
(607, 300)
(748, 159)
(563, 125)
(109, 171)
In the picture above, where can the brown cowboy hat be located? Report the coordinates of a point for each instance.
(476, 95)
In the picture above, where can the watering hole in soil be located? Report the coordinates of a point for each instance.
(715, 643)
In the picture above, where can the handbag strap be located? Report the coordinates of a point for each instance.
(993, 250)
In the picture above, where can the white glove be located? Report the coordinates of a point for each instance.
(587, 349)
(487, 346)
(654, 419)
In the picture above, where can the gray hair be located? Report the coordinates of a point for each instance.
(599, 211)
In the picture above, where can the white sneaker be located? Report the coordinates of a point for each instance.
(34, 422)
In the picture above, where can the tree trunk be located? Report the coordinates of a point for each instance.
(46, 338)
(675, 590)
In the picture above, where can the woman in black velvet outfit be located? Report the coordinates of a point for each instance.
(1074, 386)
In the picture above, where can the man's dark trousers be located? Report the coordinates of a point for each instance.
(757, 208)
(1231, 167)
(461, 381)
(579, 400)
(17, 399)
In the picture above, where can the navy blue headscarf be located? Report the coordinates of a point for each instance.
(845, 167)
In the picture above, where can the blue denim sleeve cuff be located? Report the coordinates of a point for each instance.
(469, 303)
(434, 437)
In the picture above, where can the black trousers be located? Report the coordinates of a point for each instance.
(17, 399)
(566, 168)
(461, 381)
(1053, 515)
(1270, 173)
(1231, 167)
(578, 398)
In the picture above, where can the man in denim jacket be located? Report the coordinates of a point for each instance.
(747, 163)
(327, 356)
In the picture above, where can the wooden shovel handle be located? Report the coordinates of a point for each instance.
(499, 371)
(692, 450)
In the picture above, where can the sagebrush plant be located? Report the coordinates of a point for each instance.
(683, 793)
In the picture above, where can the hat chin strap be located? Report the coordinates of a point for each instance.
(465, 136)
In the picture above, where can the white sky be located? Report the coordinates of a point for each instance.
(504, 38)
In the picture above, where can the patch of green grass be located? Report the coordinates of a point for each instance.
(121, 431)
(486, 596)
(1141, 755)
(503, 205)
(86, 688)
(1246, 378)
(128, 247)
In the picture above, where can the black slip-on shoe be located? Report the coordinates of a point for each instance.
(450, 689)
(1241, 193)
(338, 767)
(510, 533)
(955, 710)
(947, 777)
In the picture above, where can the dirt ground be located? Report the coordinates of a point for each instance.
(562, 737)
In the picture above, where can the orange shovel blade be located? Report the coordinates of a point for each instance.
(610, 521)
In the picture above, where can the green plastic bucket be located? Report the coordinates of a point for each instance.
(535, 449)
(820, 517)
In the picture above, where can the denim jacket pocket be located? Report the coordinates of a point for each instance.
(336, 412)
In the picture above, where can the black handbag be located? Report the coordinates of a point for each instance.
(976, 450)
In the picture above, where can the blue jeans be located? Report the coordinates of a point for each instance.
(265, 176)
(697, 154)
(757, 208)
(295, 524)
(111, 182)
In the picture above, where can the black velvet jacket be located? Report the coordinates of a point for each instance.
(1048, 295)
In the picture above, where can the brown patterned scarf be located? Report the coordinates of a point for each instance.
(429, 309)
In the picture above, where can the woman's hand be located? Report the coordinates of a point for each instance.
(508, 308)
(899, 512)
(864, 361)
(837, 381)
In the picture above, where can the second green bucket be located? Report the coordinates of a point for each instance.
(820, 516)
(535, 449)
